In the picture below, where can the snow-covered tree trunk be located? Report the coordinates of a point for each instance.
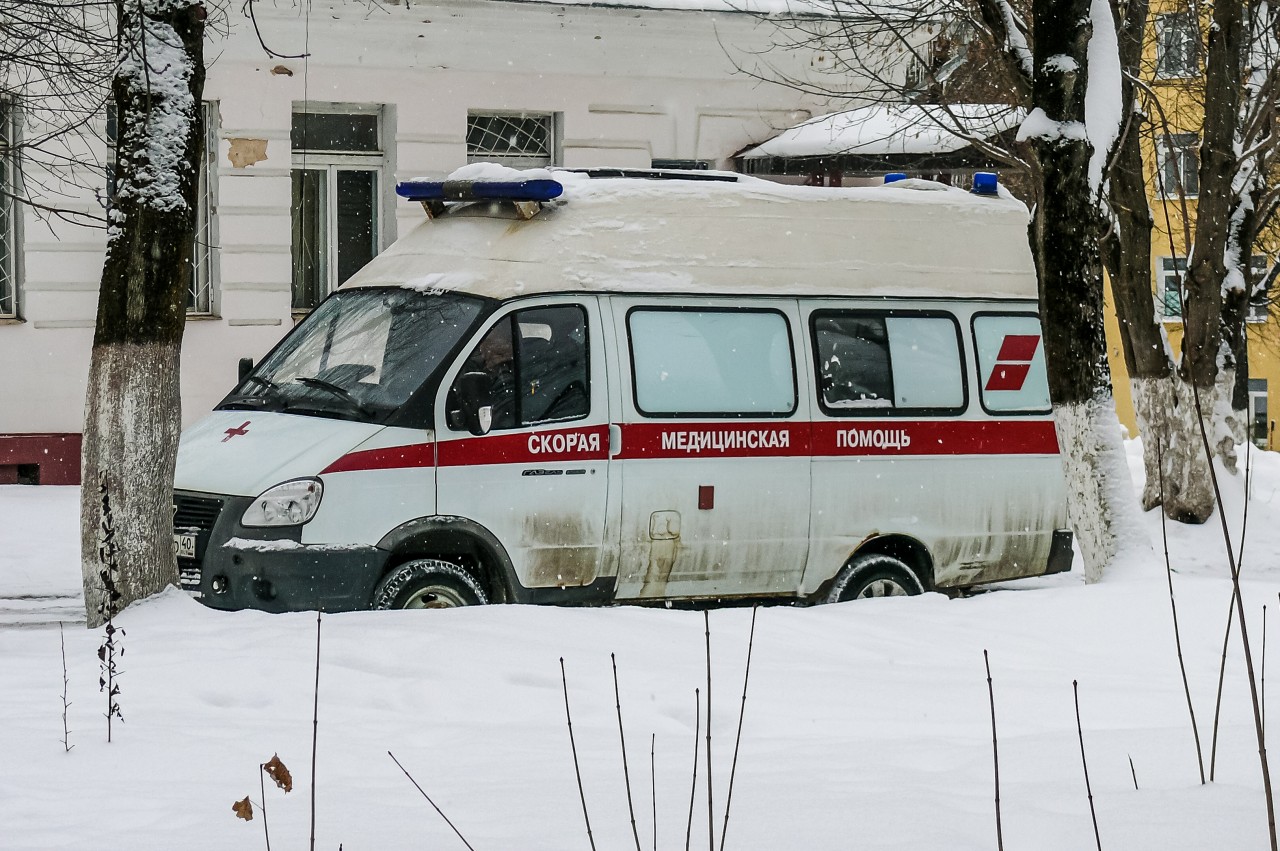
(132, 412)
(1066, 232)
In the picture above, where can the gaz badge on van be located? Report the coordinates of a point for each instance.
(606, 387)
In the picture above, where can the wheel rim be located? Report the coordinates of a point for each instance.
(882, 588)
(434, 597)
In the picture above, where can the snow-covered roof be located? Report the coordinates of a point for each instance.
(889, 129)
(745, 237)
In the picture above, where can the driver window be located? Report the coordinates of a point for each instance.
(536, 364)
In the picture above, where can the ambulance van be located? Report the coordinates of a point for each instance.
(613, 387)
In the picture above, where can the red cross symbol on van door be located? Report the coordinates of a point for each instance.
(1013, 362)
(243, 428)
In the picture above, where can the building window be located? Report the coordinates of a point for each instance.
(1259, 424)
(200, 291)
(516, 139)
(1171, 284)
(338, 162)
(1172, 271)
(1177, 46)
(8, 223)
(1260, 298)
(1178, 165)
(201, 284)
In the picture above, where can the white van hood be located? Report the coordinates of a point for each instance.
(242, 453)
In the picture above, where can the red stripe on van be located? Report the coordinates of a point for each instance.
(1018, 347)
(715, 440)
(588, 443)
(935, 437)
(391, 458)
(1008, 376)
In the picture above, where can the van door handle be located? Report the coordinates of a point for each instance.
(615, 439)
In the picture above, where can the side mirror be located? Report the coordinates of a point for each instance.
(246, 367)
(475, 401)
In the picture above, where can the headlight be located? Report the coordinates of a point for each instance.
(288, 504)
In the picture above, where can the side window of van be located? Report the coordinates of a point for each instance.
(872, 364)
(536, 363)
(712, 362)
(1011, 370)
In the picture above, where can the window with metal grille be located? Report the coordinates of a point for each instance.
(8, 225)
(516, 139)
(1260, 299)
(1177, 46)
(1178, 165)
(338, 162)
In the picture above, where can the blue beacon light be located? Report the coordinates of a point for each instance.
(986, 183)
(479, 190)
(895, 176)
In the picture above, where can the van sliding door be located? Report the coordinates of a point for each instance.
(714, 454)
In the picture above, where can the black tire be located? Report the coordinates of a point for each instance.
(428, 584)
(873, 575)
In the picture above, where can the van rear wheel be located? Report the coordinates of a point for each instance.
(428, 584)
(873, 575)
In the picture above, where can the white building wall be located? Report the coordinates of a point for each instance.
(631, 84)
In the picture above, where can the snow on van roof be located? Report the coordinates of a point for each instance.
(741, 236)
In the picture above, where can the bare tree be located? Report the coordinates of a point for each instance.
(133, 409)
(1034, 56)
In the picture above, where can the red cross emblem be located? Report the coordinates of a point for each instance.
(243, 428)
(1013, 363)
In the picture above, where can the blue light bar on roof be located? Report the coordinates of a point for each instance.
(895, 176)
(986, 183)
(479, 190)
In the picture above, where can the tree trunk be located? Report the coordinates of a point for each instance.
(132, 413)
(1166, 436)
(1065, 244)
(1203, 344)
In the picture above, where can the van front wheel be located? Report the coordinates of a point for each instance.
(873, 575)
(428, 584)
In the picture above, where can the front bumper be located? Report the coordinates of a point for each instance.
(269, 569)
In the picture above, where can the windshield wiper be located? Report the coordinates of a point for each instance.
(246, 400)
(341, 392)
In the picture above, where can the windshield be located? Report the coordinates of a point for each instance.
(360, 355)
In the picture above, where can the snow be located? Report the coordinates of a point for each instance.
(157, 71)
(1103, 104)
(1038, 125)
(867, 724)
(888, 129)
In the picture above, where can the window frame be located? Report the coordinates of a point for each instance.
(10, 261)
(717, 415)
(1190, 27)
(1163, 276)
(330, 163)
(205, 257)
(892, 411)
(1259, 302)
(555, 144)
(977, 360)
(1184, 152)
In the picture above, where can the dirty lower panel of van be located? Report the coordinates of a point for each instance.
(229, 566)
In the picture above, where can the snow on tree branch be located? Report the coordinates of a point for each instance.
(156, 74)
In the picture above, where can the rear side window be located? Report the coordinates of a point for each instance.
(884, 363)
(727, 363)
(1011, 369)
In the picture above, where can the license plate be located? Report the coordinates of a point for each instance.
(185, 545)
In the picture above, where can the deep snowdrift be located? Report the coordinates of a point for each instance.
(867, 724)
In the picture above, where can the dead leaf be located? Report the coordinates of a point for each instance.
(243, 809)
(276, 771)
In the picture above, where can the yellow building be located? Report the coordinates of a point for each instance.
(1173, 63)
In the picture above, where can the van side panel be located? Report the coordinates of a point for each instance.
(714, 503)
(982, 492)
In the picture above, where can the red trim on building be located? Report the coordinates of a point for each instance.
(44, 459)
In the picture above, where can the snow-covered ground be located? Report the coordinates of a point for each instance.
(867, 724)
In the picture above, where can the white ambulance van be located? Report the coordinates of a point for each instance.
(610, 387)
